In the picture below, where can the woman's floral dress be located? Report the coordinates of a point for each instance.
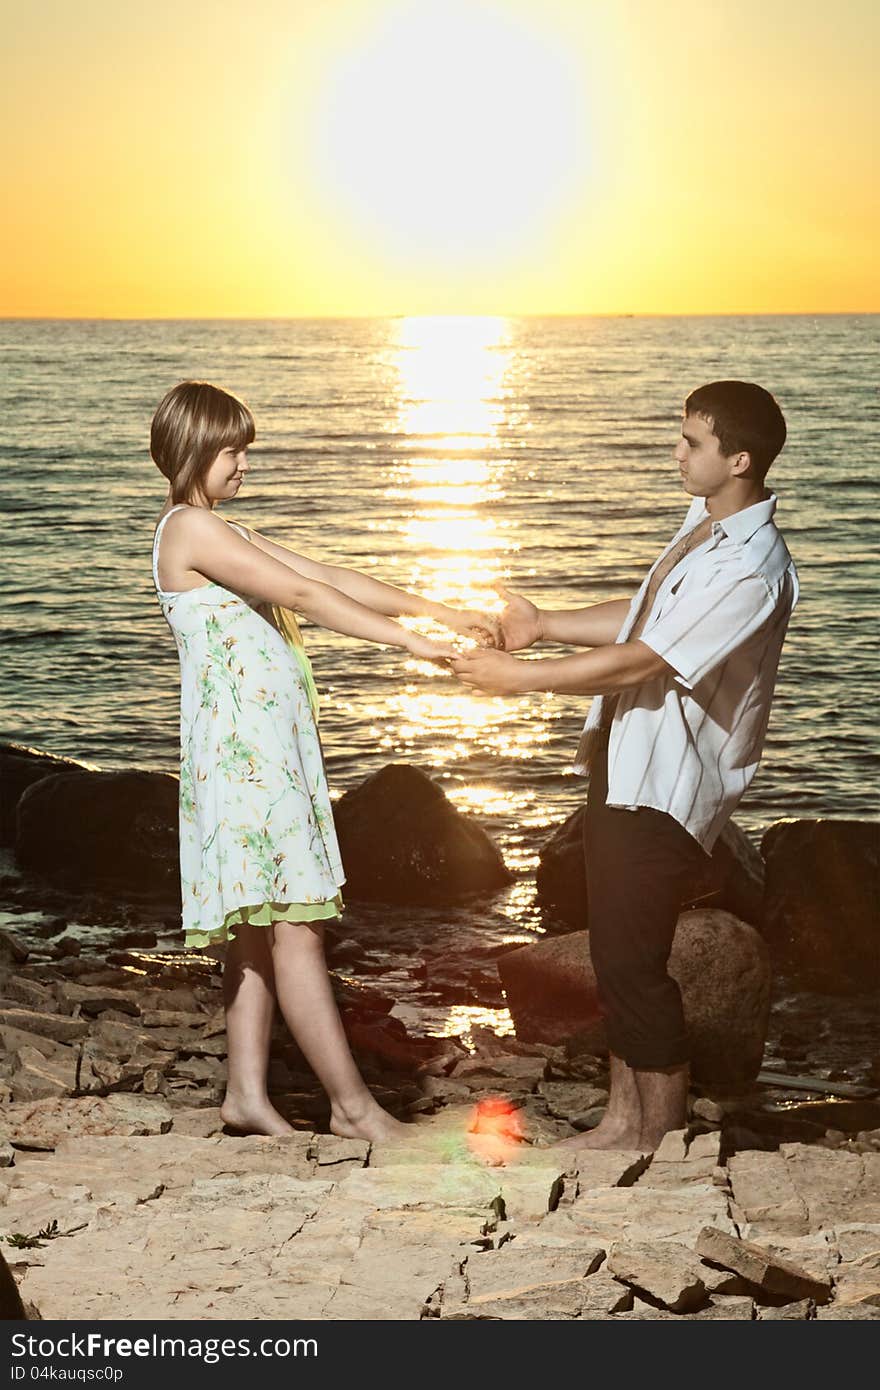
(257, 840)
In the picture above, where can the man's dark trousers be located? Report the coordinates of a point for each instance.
(641, 866)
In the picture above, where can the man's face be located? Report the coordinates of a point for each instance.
(704, 469)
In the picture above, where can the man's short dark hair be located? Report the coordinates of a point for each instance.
(744, 418)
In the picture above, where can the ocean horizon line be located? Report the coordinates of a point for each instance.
(391, 317)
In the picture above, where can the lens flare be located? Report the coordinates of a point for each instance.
(495, 1130)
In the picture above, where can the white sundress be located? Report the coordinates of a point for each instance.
(257, 839)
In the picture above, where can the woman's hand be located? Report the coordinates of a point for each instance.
(426, 649)
(496, 673)
(484, 628)
(520, 621)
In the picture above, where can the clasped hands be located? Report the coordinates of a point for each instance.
(490, 667)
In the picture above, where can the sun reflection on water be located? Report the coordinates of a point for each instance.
(452, 379)
(448, 477)
(448, 725)
(463, 1017)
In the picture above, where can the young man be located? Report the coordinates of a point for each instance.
(685, 673)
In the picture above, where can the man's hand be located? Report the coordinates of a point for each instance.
(520, 621)
(496, 673)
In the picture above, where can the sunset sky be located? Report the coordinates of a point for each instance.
(288, 157)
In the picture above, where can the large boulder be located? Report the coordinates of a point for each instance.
(733, 880)
(403, 841)
(822, 901)
(108, 831)
(19, 767)
(721, 966)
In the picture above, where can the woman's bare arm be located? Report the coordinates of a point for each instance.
(372, 593)
(206, 544)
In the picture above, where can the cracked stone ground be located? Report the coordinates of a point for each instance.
(175, 1225)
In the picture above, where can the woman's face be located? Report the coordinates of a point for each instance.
(225, 475)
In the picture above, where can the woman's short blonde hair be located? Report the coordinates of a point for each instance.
(194, 421)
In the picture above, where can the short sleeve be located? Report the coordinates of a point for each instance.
(710, 621)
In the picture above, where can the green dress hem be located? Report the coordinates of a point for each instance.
(263, 915)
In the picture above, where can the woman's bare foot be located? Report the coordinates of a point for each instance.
(367, 1122)
(253, 1117)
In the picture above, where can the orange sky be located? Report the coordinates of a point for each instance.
(281, 158)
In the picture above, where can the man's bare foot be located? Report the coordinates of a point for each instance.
(253, 1117)
(602, 1137)
(649, 1141)
(372, 1123)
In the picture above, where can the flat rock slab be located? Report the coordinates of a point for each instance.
(596, 1168)
(59, 1027)
(519, 1071)
(765, 1271)
(43, 1124)
(165, 1254)
(525, 1193)
(570, 1099)
(643, 1214)
(178, 1158)
(95, 999)
(422, 1185)
(665, 1270)
(734, 1309)
(789, 1312)
(859, 1242)
(847, 1312)
(802, 1189)
(856, 1284)
(533, 1283)
(816, 1254)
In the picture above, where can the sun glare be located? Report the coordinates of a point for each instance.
(451, 133)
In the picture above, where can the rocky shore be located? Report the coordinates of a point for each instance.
(123, 1197)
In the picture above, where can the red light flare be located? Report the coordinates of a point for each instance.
(495, 1130)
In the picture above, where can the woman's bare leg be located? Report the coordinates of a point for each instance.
(309, 1008)
(249, 997)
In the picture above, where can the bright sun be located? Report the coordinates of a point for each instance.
(450, 135)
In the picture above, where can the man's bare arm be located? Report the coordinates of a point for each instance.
(523, 624)
(595, 626)
(609, 668)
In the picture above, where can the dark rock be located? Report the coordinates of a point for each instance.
(721, 967)
(12, 949)
(146, 963)
(103, 830)
(21, 766)
(67, 946)
(732, 881)
(458, 983)
(54, 926)
(353, 998)
(144, 937)
(387, 1041)
(346, 952)
(403, 841)
(11, 1306)
(822, 900)
(848, 1116)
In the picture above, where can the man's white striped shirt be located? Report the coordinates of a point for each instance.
(689, 742)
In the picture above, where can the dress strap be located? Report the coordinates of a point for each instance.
(176, 508)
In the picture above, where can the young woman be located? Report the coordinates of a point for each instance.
(259, 860)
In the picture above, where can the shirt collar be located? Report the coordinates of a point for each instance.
(741, 526)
